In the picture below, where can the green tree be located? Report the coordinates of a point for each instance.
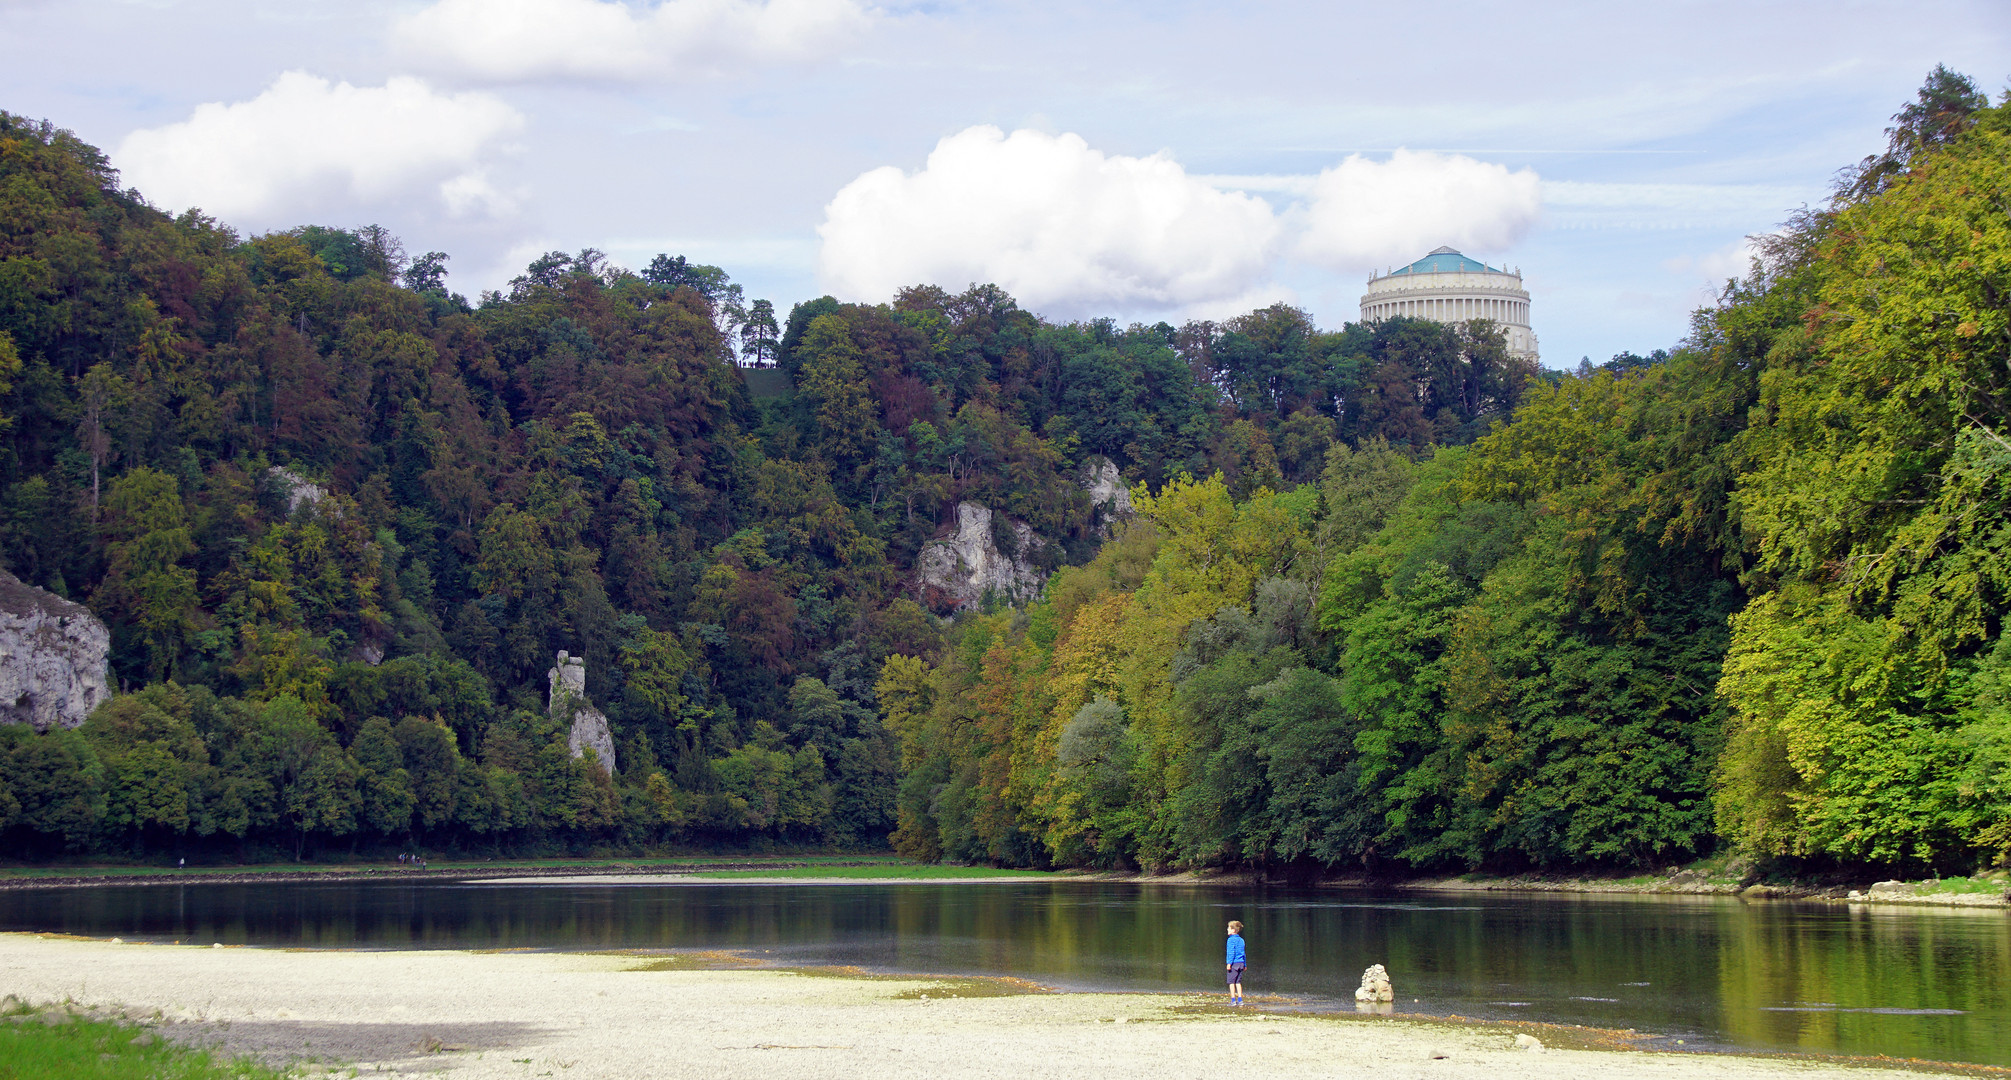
(147, 586)
(383, 783)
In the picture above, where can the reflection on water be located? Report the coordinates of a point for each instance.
(1712, 971)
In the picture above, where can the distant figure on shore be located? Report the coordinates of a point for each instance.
(1238, 962)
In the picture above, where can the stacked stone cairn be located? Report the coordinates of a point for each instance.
(1375, 986)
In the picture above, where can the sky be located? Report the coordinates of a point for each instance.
(1145, 161)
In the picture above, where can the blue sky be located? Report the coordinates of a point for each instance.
(1146, 160)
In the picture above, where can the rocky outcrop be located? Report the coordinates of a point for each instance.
(298, 489)
(1375, 985)
(569, 705)
(52, 657)
(961, 569)
(1109, 496)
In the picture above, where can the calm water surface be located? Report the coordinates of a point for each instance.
(1715, 972)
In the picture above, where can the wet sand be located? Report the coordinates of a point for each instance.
(477, 1015)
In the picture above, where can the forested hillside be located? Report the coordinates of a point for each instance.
(1388, 599)
(1749, 596)
(575, 464)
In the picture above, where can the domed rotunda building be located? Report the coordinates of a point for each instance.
(1448, 287)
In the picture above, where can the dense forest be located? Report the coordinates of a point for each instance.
(1388, 598)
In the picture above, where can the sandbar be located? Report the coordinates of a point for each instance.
(478, 1015)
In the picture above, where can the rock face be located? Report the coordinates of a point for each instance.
(964, 567)
(52, 657)
(959, 570)
(568, 703)
(1375, 985)
(1109, 498)
(299, 490)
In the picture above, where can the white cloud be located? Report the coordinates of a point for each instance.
(1283, 184)
(1064, 228)
(506, 40)
(1709, 272)
(1572, 204)
(1364, 213)
(306, 144)
(1731, 261)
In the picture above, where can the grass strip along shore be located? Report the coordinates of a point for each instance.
(1709, 877)
(59, 1041)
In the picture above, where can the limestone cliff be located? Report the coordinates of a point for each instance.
(52, 657)
(960, 569)
(298, 490)
(568, 704)
(1109, 495)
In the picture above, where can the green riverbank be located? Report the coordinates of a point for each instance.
(1715, 877)
(102, 874)
(1988, 889)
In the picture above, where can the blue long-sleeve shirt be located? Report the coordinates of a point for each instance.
(1236, 949)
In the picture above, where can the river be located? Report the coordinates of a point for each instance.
(1714, 972)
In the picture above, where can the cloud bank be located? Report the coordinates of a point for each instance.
(1069, 230)
(513, 40)
(1056, 223)
(1362, 213)
(306, 144)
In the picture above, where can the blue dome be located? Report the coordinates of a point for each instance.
(1446, 261)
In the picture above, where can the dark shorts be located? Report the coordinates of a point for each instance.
(1235, 973)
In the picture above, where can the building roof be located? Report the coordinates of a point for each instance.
(1445, 261)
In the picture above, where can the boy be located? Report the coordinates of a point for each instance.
(1238, 962)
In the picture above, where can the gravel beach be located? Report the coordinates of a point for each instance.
(478, 1015)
